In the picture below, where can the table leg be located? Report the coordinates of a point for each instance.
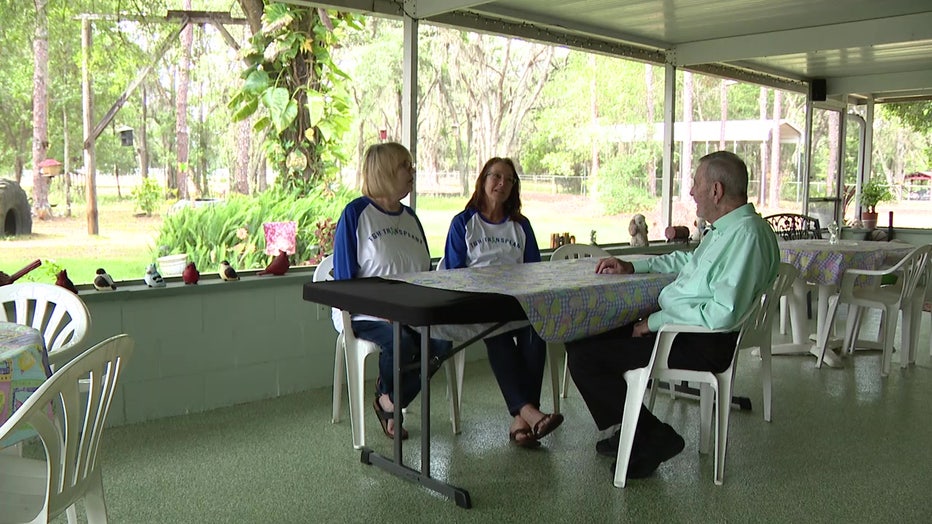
(796, 301)
(397, 467)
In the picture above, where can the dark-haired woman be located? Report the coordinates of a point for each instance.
(492, 231)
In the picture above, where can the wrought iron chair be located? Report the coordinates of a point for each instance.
(793, 226)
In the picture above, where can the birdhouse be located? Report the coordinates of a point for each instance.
(50, 167)
(126, 136)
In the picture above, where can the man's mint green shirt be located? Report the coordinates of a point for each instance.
(717, 283)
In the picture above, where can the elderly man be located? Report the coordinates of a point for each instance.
(715, 286)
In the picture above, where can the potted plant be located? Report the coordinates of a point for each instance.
(872, 194)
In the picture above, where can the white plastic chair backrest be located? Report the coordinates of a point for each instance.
(759, 324)
(57, 313)
(911, 271)
(324, 272)
(72, 439)
(573, 251)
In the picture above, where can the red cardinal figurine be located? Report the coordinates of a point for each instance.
(278, 266)
(190, 274)
(65, 282)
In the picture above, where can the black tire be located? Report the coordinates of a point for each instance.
(14, 209)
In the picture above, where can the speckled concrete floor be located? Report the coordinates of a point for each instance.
(844, 446)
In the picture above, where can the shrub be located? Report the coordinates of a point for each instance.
(147, 195)
(622, 184)
(232, 230)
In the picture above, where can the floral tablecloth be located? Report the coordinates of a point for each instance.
(823, 263)
(24, 366)
(564, 300)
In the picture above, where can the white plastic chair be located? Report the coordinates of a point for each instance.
(755, 328)
(567, 252)
(460, 365)
(352, 352)
(910, 270)
(57, 313)
(36, 491)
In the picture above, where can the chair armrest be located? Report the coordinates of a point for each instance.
(667, 333)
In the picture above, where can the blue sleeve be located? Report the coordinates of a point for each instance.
(345, 264)
(454, 253)
(531, 251)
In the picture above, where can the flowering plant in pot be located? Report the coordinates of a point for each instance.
(872, 194)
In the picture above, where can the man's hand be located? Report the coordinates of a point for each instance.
(640, 329)
(614, 266)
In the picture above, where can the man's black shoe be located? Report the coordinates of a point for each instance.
(608, 447)
(661, 445)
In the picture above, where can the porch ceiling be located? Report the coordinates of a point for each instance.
(861, 48)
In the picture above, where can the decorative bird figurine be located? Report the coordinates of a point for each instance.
(103, 281)
(61, 279)
(227, 272)
(153, 278)
(638, 231)
(190, 275)
(278, 266)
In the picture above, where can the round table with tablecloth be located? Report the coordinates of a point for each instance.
(24, 366)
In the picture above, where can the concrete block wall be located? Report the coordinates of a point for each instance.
(214, 344)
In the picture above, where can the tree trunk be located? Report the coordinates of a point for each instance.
(40, 116)
(723, 100)
(181, 110)
(686, 157)
(142, 151)
(775, 147)
(764, 151)
(832, 167)
(651, 164)
(594, 120)
(241, 163)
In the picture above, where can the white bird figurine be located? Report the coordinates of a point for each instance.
(103, 281)
(227, 272)
(153, 278)
(638, 231)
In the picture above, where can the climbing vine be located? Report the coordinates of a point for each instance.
(299, 94)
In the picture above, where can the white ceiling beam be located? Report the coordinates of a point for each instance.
(421, 9)
(907, 28)
(569, 26)
(885, 83)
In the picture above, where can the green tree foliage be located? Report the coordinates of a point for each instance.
(232, 230)
(622, 182)
(918, 116)
(298, 90)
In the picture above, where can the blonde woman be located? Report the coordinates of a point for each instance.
(378, 235)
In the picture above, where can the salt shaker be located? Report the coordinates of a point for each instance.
(833, 233)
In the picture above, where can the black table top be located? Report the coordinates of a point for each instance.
(411, 304)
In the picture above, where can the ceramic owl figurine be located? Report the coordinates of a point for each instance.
(638, 230)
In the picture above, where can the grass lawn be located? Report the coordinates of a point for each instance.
(123, 246)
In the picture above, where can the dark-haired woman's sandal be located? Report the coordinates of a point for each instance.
(523, 438)
(384, 417)
(547, 424)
